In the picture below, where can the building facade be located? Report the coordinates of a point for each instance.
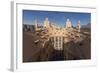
(59, 35)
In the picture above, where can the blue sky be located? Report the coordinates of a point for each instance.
(59, 18)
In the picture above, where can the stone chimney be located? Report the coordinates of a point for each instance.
(68, 24)
(46, 22)
(36, 25)
(78, 26)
